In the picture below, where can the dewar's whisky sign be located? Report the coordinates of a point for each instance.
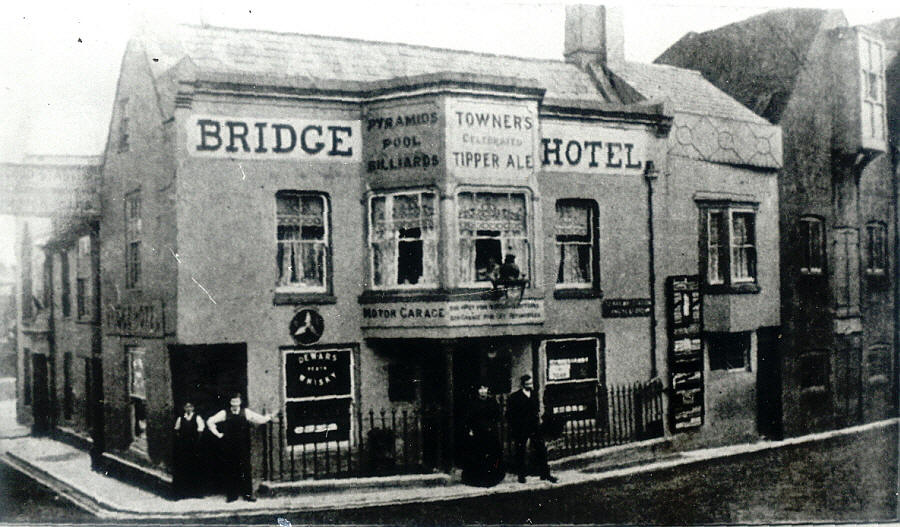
(274, 138)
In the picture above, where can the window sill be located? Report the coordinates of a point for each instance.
(565, 294)
(749, 288)
(435, 295)
(286, 298)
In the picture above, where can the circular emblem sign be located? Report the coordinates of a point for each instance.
(307, 326)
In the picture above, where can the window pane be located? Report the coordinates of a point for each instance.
(743, 265)
(728, 351)
(301, 240)
(491, 227)
(716, 259)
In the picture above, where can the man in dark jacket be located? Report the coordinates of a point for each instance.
(522, 414)
(236, 423)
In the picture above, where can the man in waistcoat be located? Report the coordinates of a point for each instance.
(236, 423)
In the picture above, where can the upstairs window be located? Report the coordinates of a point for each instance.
(65, 275)
(83, 278)
(576, 244)
(871, 59)
(491, 227)
(302, 237)
(728, 239)
(876, 248)
(133, 232)
(403, 240)
(812, 243)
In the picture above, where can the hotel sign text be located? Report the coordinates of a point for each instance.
(592, 149)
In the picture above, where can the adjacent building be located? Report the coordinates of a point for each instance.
(324, 225)
(824, 83)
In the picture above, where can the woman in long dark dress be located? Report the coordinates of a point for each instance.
(185, 474)
(484, 461)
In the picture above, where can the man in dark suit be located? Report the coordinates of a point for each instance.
(522, 414)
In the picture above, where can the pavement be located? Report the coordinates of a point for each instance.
(66, 470)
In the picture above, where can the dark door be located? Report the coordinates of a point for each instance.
(41, 395)
(768, 384)
(207, 376)
(95, 403)
(434, 405)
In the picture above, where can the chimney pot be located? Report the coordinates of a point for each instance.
(594, 34)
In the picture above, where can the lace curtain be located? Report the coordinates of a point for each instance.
(491, 216)
(301, 240)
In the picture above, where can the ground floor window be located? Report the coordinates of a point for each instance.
(813, 368)
(573, 377)
(137, 393)
(728, 351)
(318, 395)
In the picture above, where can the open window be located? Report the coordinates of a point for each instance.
(403, 240)
(493, 233)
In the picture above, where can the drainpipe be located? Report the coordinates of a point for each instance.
(650, 175)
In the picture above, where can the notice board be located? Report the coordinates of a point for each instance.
(684, 305)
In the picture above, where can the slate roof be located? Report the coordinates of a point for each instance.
(267, 53)
(686, 90)
(756, 61)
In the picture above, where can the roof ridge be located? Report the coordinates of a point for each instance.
(377, 42)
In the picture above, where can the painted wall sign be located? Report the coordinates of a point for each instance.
(317, 421)
(592, 149)
(683, 306)
(307, 326)
(135, 320)
(626, 307)
(316, 373)
(274, 138)
(403, 138)
(452, 314)
(490, 139)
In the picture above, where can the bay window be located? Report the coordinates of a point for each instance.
(302, 238)
(403, 239)
(491, 226)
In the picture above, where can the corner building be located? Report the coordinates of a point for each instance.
(315, 222)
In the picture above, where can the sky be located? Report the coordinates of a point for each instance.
(59, 60)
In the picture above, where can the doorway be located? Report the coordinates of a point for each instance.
(206, 375)
(41, 395)
(768, 384)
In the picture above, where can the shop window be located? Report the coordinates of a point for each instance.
(401, 382)
(876, 248)
(576, 244)
(133, 233)
(813, 371)
(83, 278)
(573, 378)
(491, 227)
(137, 393)
(65, 277)
(26, 376)
(728, 247)
(812, 243)
(318, 396)
(729, 351)
(302, 235)
(68, 394)
(403, 240)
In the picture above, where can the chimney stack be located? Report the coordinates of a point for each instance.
(594, 34)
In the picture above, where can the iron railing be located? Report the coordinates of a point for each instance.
(409, 441)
